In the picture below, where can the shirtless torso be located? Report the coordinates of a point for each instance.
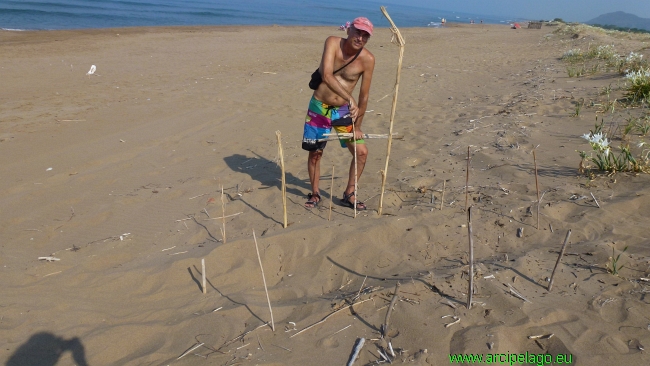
(337, 89)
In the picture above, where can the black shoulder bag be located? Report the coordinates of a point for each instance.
(317, 78)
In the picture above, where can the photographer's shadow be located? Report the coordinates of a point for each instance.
(45, 349)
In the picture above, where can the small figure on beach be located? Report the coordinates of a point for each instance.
(443, 21)
(344, 27)
(343, 63)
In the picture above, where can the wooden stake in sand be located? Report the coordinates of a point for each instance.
(284, 182)
(356, 174)
(329, 218)
(471, 258)
(559, 258)
(467, 179)
(536, 186)
(223, 215)
(400, 42)
(264, 280)
(203, 275)
(442, 199)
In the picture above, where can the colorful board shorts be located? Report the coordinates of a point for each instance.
(319, 122)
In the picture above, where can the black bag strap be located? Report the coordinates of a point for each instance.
(351, 61)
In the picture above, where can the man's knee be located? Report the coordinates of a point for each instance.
(362, 151)
(314, 156)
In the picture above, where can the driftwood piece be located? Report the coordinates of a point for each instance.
(384, 328)
(356, 350)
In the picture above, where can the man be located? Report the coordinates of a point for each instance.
(343, 63)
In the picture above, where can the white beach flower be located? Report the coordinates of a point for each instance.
(640, 144)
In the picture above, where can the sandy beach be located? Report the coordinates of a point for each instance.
(116, 179)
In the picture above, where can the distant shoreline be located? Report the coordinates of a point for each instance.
(449, 24)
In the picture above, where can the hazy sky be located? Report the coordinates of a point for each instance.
(568, 10)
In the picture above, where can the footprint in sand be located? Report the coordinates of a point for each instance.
(328, 342)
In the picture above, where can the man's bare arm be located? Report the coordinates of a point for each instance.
(364, 91)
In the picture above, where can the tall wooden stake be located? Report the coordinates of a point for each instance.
(203, 275)
(356, 175)
(471, 258)
(331, 196)
(223, 216)
(559, 258)
(442, 199)
(467, 180)
(264, 280)
(284, 182)
(400, 42)
(536, 186)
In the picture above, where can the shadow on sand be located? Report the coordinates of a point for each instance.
(267, 172)
(45, 349)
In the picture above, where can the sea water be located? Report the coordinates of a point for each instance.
(80, 14)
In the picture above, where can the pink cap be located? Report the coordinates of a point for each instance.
(363, 24)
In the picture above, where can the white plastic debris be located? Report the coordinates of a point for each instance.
(92, 70)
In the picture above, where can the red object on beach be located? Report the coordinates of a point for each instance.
(516, 26)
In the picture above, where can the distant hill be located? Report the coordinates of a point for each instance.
(622, 20)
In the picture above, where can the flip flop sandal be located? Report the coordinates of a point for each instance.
(313, 200)
(345, 201)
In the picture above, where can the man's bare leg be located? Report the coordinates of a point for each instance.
(362, 155)
(313, 167)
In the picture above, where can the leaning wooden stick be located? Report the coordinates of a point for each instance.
(595, 200)
(536, 186)
(364, 136)
(442, 199)
(203, 275)
(347, 136)
(190, 350)
(330, 314)
(559, 258)
(400, 42)
(471, 258)
(384, 328)
(467, 180)
(329, 218)
(284, 182)
(264, 280)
